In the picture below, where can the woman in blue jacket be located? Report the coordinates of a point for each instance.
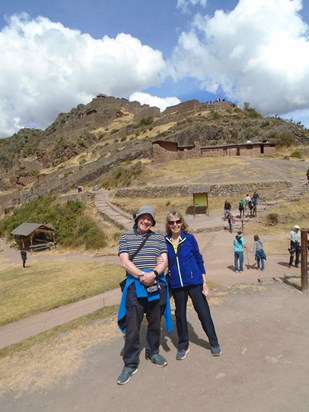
(188, 278)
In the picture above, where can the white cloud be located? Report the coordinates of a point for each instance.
(298, 116)
(259, 53)
(162, 103)
(46, 68)
(185, 4)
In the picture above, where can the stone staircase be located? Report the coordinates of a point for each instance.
(112, 213)
(297, 190)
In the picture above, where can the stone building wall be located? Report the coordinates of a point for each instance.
(165, 151)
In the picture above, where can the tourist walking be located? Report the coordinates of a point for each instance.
(239, 245)
(143, 254)
(241, 208)
(231, 222)
(294, 246)
(23, 254)
(259, 253)
(227, 209)
(188, 278)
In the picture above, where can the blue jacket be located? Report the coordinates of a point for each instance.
(188, 267)
(141, 292)
(239, 245)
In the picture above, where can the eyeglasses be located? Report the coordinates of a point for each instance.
(174, 222)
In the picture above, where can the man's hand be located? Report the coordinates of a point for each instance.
(148, 278)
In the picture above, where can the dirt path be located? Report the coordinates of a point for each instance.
(263, 331)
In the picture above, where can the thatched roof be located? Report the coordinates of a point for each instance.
(25, 229)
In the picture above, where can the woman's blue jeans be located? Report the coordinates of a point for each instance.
(239, 257)
(258, 261)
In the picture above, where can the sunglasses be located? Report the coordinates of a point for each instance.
(173, 222)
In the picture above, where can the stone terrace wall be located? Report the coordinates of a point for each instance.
(215, 190)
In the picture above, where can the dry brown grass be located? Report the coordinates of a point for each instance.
(45, 359)
(291, 213)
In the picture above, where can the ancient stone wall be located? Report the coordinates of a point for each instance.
(215, 190)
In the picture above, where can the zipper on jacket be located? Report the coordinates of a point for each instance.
(177, 260)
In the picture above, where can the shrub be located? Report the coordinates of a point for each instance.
(272, 219)
(123, 175)
(296, 154)
(215, 114)
(252, 113)
(286, 139)
(146, 121)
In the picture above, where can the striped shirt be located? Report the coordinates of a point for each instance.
(146, 258)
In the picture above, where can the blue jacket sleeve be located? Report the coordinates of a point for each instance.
(198, 256)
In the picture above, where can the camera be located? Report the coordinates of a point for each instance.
(153, 288)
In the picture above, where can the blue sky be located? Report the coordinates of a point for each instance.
(58, 54)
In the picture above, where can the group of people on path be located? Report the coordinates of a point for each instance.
(145, 254)
(249, 203)
(246, 203)
(239, 244)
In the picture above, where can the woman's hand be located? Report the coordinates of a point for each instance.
(205, 289)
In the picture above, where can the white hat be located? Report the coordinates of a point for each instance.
(296, 227)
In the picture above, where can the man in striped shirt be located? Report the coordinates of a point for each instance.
(141, 294)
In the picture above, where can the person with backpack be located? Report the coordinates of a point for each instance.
(239, 244)
(259, 253)
(256, 198)
(241, 208)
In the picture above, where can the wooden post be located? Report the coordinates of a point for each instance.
(304, 260)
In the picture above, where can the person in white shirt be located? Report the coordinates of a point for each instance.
(294, 246)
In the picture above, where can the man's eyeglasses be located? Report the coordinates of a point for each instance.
(174, 222)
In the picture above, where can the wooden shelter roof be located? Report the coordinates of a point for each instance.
(25, 229)
(198, 189)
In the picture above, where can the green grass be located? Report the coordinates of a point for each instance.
(41, 287)
(73, 226)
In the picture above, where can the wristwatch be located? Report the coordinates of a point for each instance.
(156, 273)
